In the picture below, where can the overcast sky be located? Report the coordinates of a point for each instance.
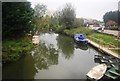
(94, 9)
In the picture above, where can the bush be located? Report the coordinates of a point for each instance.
(114, 28)
(17, 19)
(13, 49)
(83, 30)
(59, 29)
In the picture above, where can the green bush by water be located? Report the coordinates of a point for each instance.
(12, 50)
(83, 30)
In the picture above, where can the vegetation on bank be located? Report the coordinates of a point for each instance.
(17, 22)
(114, 28)
(106, 40)
(13, 49)
(19, 19)
(83, 30)
(102, 39)
(64, 18)
(116, 51)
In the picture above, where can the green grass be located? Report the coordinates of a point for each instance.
(116, 51)
(107, 39)
(13, 49)
(83, 30)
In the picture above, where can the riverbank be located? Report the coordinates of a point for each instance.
(14, 49)
(83, 30)
(109, 44)
(104, 49)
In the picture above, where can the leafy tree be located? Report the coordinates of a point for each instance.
(16, 18)
(112, 15)
(67, 15)
(39, 14)
(40, 10)
(78, 22)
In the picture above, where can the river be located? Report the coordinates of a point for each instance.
(56, 57)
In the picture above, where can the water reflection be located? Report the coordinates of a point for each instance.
(81, 45)
(23, 69)
(45, 56)
(66, 45)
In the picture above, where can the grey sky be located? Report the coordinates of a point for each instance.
(94, 9)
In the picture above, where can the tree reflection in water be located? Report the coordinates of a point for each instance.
(45, 56)
(66, 45)
(81, 45)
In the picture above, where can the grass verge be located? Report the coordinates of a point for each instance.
(116, 51)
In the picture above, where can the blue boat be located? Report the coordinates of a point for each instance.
(80, 38)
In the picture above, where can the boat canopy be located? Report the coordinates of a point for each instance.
(80, 36)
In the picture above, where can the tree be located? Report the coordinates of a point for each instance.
(16, 18)
(40, 10)
(78, 22)
(112, 15)
(39, 14)
(67, 15)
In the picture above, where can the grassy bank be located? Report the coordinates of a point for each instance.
(106, 40)
(83, 30)
(99, 38)
(116, 51)
(13, 49)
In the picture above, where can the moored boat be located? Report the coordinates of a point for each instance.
(113, 73)
(97, 72)
(80, 38)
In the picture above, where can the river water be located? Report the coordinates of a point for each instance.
(56, 57)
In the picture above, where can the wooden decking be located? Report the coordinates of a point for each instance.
(104, 49)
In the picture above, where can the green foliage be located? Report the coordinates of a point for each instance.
(60, 20)
(40, 20)
(116, 51)
(13, 49)
(16, 18)
(114, 28)
(78, 22)
(107, 39)
(112, 15)
(59, 29)
(66, 16)
(83, 30)
(40, 10)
